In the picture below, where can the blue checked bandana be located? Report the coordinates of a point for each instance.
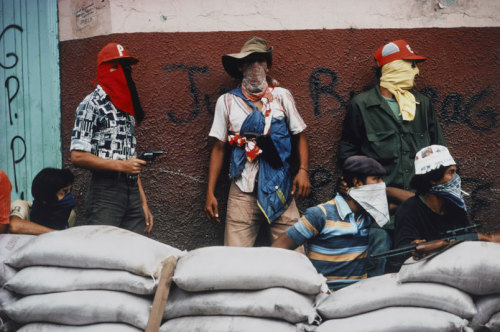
(451, 190)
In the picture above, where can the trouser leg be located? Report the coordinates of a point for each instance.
(242, 218)
(285, 221)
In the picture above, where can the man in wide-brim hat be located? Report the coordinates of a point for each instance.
(258, 120)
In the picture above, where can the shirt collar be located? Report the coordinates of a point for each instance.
(342, 206)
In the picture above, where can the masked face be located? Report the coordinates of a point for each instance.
(254, 76)
(373, 199)
(451, 189)
(400, 73)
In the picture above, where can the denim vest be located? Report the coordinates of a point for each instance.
(274, 185)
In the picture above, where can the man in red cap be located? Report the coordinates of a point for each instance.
(103, 141)
(390, 123)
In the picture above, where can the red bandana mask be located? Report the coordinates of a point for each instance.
(111, 78)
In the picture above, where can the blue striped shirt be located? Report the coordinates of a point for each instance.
(337, 242)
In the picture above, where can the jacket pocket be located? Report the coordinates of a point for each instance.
(384, 145)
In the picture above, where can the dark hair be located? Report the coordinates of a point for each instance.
(422, 182)
(48, 182)
(349, 179)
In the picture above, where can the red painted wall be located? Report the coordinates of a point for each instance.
(180, 76)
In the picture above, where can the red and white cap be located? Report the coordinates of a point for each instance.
(396, 50)
(114, 52)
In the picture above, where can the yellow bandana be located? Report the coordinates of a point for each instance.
(398, 77)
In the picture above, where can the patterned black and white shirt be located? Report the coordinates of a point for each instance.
(101, 129)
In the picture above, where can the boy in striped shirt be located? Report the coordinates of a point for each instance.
(337, 231)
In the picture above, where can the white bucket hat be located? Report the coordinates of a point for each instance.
(431, 158)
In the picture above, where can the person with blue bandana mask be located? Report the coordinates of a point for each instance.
(52, 207)
(438, 205)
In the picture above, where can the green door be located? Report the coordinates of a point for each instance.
(30, 118)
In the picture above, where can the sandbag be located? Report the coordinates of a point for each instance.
(471, 266)
(486, 306)
(226, 323)
(384, 291)
(280, 303)
(223, 268)
(494, 323)
(10, 243)
(51, 279)
(105, 327)
(397, 319)
(105, 247)
(82, 308)
(6, 299)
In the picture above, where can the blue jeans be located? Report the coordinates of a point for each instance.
(379, 241)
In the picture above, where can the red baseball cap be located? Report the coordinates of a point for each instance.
(114, 52)
(396, 50)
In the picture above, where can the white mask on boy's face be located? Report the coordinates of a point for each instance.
(372, 198)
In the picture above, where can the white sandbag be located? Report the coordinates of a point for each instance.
(384, 291)
(105, 327)
(494, 323)
(397, 319)
(6, 299)
(471, 266)
(82, 308)
(226, 324)
(105, 247)
(486, 306)
(280, 303)
(52, 279)
(222, 268)
(10, 243)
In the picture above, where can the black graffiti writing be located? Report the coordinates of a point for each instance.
(16, 159)
(193, 90)
(10, 54)
(11, 97)
(317, 89)
(453, 109)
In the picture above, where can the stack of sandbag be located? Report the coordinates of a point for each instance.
(383, 304)
(86, 278)
(9, 243)
(473, 267)
(243, 289)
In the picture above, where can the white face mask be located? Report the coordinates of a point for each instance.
(372, 198)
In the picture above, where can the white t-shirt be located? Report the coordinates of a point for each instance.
(230, 113)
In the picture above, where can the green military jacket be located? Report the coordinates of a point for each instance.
(371, 129)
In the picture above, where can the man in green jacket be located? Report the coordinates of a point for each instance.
(391, 123)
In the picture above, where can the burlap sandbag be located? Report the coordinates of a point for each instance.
(398, 319)
(384, 291)
(105, 247)
(9, 244)
(82, 308)
(105, 327)
(486, 306)
(471, 266)
(280, 303)
(226, 323)
(52, 279)
(222, 268)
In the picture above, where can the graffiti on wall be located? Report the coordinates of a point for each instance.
(12, 85)
(323, 85)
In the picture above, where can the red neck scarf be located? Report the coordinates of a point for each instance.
(111, 78)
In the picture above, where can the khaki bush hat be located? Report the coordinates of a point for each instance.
(254, 45)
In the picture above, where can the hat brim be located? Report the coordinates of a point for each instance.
(415, 57)
(230, 62)
(128, 60)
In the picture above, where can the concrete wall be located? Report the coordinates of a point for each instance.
(180, 77)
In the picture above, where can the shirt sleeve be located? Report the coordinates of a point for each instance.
(406, 226)
(308, 226)
(83, 130)
(20, 209)
(221, 119)
(352, 129)
(5, 190)
(295, 123)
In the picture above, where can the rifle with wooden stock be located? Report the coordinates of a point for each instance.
(452, 237)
